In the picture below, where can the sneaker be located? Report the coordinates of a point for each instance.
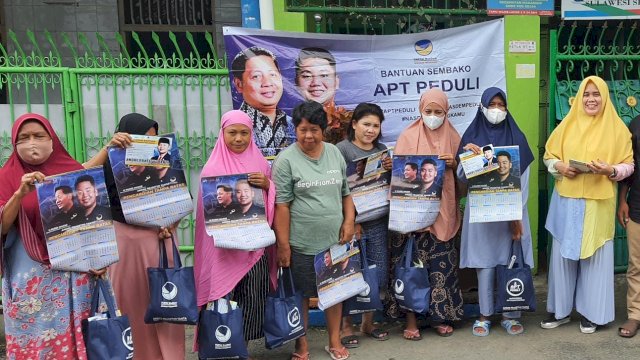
(551, 322)
(586, 326)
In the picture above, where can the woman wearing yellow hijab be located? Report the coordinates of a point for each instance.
(583, 204)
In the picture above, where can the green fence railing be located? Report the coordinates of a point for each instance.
(84, 87)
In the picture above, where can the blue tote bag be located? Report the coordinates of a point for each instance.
(368, 300)
(172, 291)
(283, 314)
(515, 284)
(411, 287)
(221, 333)
(106, 336)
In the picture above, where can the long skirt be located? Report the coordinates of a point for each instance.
(43, 308)
(251, 294)
(442, 259)
(139, 248)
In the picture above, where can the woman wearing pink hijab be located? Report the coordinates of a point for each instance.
(244, 274)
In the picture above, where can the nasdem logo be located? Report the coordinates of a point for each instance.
(423, 47)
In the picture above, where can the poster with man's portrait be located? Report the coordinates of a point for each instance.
(415, 177)
(234, 212)
(77, 222)
(150, 181)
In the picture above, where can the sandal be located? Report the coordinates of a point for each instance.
(629, 328)
(484, 325)
(444, 330)
(378, 334)
(296, 356)
(508, 325)
(350, 341)
(337, 354)
(413, 335)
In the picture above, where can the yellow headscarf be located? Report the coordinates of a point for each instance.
(585, 138)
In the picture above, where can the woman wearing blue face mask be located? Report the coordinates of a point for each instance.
(486, 245)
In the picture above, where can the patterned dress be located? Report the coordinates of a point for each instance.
(43, 308)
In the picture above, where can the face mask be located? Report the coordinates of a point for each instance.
(495, 116)
(433, 122)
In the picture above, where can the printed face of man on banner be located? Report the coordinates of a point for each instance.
(257, 78)
(316, 77)
(64, 198)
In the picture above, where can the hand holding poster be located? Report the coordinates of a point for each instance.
(416, 189)
(496, 196)
(369, 185)
(239, 223)
(151, 195)
(76, 219)
(337, 282)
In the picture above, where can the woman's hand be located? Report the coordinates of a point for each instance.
(28, 183)
(167, 232)
(516, 229)
(387, 163)
(120, 139)
(346, 232)
(260, 180)
(473, 147)
(566, 170)
(98, 273)
(601, 168)
(358, 231)
(449, 160)
(284, 256)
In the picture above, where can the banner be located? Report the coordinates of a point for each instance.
(150, 181)
(76, 219)
(600, 9)
(271, 72)
(235, 222)
(416, 190)
(520, 7)
(369, 185)
(497, 196)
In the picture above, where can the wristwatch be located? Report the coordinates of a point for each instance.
(614, 173)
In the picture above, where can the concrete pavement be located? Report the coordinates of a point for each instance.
(565, 342)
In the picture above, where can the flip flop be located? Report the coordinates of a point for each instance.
(444, 330)
(484, 325)
(350, 341)
(337, 354)
(631, 326)
(296, 356)
(378, 334)
(413, 335)
(508, 325)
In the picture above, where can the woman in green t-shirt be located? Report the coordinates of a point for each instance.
(314, 210)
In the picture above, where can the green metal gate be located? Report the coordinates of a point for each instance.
(186, 91)
(609, 49)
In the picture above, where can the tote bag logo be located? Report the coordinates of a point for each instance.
(366, 291)
(223, 333)
(293, 318)
(515, 287)
(169, 291)
(127, 340)
(399, 286)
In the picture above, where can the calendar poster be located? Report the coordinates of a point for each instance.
(416, 189)
(150, 181)
(235, 214)
(369, 185)
(497, 195)
(76, 219)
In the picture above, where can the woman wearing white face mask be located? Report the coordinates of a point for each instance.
(431, 134)
(486, 245)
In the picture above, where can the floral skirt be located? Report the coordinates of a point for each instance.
(43, 308)
(441, 257)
